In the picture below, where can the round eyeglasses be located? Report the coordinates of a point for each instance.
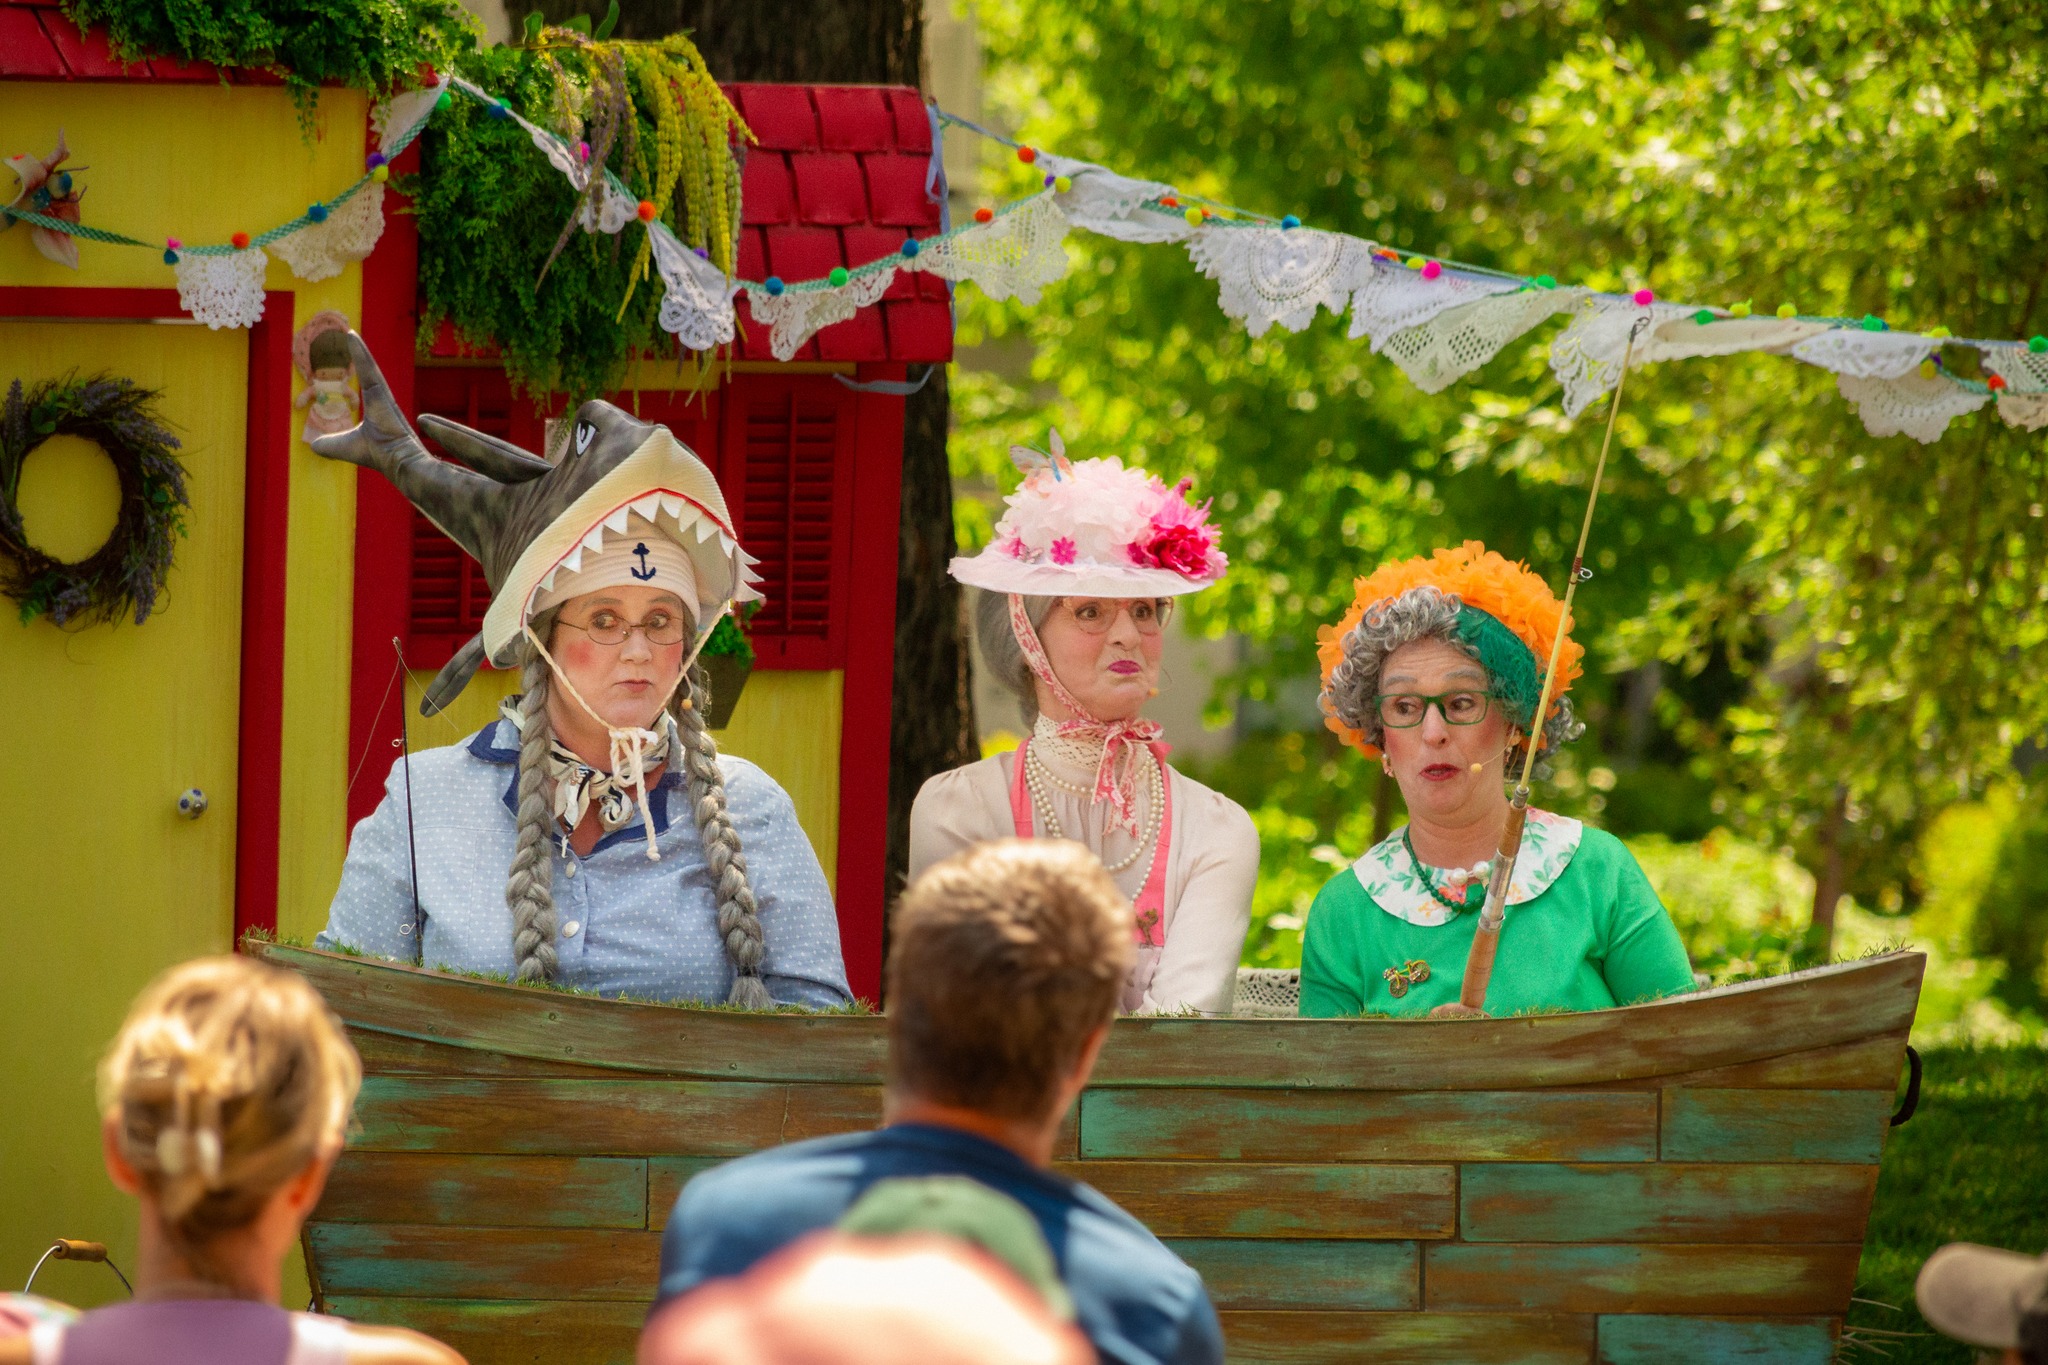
(610, 628)
(1405, 710)
(1096, 615)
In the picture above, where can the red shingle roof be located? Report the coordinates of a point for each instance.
(38, 43)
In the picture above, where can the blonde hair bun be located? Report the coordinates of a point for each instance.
(228, 1076)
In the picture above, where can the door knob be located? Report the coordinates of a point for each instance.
(192, 803)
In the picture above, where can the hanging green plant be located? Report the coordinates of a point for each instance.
(124, 576)
(503, 255)
(373, 45)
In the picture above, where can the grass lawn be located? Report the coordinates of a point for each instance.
(1971, 1166)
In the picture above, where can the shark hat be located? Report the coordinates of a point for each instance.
(528, 522)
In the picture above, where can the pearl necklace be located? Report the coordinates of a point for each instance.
(1037, 777)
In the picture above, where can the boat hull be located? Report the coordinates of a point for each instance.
(1568, 1188)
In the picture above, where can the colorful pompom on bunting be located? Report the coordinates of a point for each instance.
(170, 256)
(910, 246)
(1995, 382)
(646, 211)
(1413, 263)
(1740, 310)
(837, 277)
(1644, 298)
(1873, 323)
(497, 111)
(2037, 344)
(1062, 183)
(318, 213)
(1168, 201)
(1927, 368)
(445, 100)
(984, 215)
(1939, 332)
(1432, 269)
(1194, 216)
(1289, 222)
(774, 285)
(380, 174)
(1027, 155)
(1786, 310)
(1704, 316)
(374, 160)
(1546, 282)
(240, 241)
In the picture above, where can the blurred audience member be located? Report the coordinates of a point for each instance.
(1996, 1300)
(1004, 971)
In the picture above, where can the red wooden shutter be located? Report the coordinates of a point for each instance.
(787, 477)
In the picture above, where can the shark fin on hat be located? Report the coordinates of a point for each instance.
(523, 519)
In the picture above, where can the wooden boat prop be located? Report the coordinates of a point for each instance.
(1553, 1188)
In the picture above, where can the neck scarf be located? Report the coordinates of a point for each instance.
(1125, 743)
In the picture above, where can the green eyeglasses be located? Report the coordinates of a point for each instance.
(1405, 710)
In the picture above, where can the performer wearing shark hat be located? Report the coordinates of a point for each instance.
(543, 848)
(1076, 590)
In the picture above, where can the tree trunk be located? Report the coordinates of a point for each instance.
(881, 41)
(1829, 883)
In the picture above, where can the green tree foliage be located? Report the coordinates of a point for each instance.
(1830, 609)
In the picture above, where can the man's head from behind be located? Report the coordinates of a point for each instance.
(1005, 963)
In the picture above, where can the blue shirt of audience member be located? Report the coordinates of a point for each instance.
(1137, 1302)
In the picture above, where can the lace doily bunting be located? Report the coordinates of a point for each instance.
(1459, 340)
(2028, 411)
(1391, 298)
(222, 291)
(1282, 275)
(1866, 355)
(796, 315)
(1914, 405)
(1113, 205)
(320, 251)
(1685, 338)
(1586, 356)
(697, 305)
(2024, 370)
(1014, 255)
(392, 119)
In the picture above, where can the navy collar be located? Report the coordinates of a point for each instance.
(498, 743)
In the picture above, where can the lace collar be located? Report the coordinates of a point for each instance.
(1388, 874)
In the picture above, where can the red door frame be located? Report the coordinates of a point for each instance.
(266, 514)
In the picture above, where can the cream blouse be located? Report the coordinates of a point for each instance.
(1212, 865)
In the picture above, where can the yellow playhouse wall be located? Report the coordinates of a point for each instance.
(102, 889)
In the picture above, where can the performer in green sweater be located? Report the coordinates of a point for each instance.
(1437, 672)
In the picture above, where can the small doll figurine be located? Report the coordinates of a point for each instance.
(48, 189)
(320, 352)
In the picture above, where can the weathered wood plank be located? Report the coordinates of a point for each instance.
(417, 1260)
(1410, 1338)
(1872, 1063)
(1648, 1340)
(387, 1054)
(486, 1191)
(1643, 1202)
(1731, 1280)
(1322, 1126)
(1829, 1006)
(1775, 1125)
(1265, 1273)
(627, 1116)
(666, 1176)
(530, 1332)
(1232, 1199)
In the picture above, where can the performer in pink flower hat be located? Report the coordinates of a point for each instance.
(1076, 590)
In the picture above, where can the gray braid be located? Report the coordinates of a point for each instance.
(529, 889)
(739, 920)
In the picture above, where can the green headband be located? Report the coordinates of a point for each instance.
(1510, 662)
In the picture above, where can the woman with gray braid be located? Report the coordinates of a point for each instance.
(592, 836)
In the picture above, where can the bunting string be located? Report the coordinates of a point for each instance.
(1437, 320)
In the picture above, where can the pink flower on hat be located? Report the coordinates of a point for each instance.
(1178, 536)
(1063, 550)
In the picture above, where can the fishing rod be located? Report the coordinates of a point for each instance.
(1486, 938)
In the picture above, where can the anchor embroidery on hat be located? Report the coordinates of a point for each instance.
(645, 571)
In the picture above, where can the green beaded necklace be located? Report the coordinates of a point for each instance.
(1475, 894)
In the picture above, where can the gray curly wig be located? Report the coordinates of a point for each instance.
(529, 886)
(1421, 613)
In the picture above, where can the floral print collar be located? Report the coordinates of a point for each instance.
(1388, 874)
